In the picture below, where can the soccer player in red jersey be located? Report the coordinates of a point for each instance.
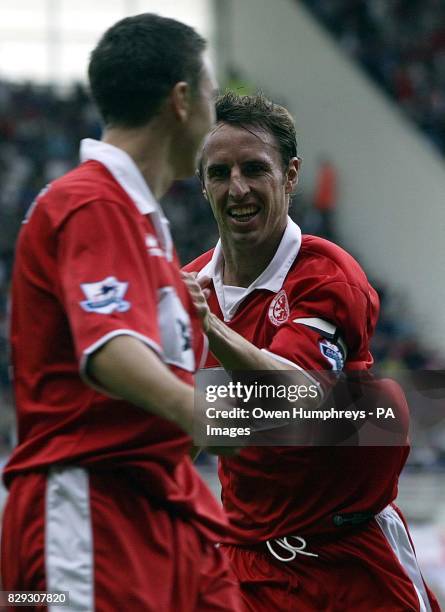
(314, 528)
(103, 499)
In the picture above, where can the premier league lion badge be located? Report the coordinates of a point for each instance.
(105, 297)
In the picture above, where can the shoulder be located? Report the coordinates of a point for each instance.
(87, 183)
(199, 263)
(327, 282)
(322, 261)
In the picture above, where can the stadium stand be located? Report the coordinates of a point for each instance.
(401, 46)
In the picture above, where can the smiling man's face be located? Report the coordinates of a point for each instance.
(246, 184)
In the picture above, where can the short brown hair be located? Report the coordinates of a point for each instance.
(259, 111)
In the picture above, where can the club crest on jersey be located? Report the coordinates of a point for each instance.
(105, 297)
(333, 354)
(279, 308)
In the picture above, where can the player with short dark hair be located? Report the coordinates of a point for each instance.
(136, 64)
(103, 500)
(314, 527)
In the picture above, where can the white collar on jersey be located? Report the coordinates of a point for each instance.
(272, 278)
(127, 174)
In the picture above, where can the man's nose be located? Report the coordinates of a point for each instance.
(238, 187)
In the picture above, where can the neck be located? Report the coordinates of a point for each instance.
(149, 147)
(243, 264)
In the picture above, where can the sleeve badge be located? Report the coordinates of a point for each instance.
(333, 354)
(106, 296)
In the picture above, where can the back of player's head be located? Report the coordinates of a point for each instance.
(258, 111)
(136, 64)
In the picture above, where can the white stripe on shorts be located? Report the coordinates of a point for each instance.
(68, 538)
(395, 532)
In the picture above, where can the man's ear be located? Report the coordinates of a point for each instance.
(180, 101)
(292, 174)
(200, 174)
(203, 187)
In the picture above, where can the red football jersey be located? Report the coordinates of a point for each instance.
(312, 308)
(95, 260)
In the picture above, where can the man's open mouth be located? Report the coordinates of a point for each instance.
(243, 213)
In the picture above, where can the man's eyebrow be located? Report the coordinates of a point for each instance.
(256, 160)
(215, 166)
(250, 160)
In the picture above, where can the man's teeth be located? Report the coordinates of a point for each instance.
(243, 211)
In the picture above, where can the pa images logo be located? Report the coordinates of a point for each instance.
(106, 296)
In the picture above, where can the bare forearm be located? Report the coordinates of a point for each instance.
(130, 370)
(236, 353)
(232, 350)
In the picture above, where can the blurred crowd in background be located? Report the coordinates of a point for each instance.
(40, 129)
(401, 45)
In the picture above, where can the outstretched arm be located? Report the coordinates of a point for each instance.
(232, 350)
(127, 368)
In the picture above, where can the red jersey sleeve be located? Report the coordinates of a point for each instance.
(327, 329)
(107, 284)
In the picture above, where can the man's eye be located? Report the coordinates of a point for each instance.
(216, 173)
(254, 168)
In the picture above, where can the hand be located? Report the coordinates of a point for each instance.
(199, 293)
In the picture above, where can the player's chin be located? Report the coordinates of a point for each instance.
(244, 226)
(251, 238)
